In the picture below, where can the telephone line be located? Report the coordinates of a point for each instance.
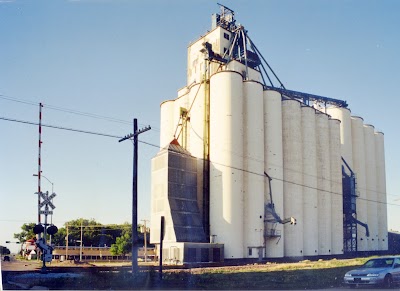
(71, 111)
(156, 146)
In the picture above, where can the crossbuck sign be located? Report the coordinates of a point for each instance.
(46, 203)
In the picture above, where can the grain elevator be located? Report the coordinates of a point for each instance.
(250, 169)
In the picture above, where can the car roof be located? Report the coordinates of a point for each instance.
(386, 257)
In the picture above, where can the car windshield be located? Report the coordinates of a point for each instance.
(378, 263)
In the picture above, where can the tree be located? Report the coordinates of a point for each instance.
(26, 233)
(123, 244)
(94, 234)
(58, 239)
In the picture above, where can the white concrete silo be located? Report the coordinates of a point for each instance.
(381, 190)
(226, 161)
(324, 185)
(292, 176)
(253, 174)
(336, 187)
(166, 122)
(357, 129)
(372, 199)
(310, 197)
(343, 114)
(196, 129)
(274, 167)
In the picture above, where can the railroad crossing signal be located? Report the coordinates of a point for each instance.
(46, 200)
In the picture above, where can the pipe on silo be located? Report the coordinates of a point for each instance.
(310, 194)
(253, 162)
(226, 161)
(336, 187)
(292, 176)
(381, 190)
(370, 170)
(166, 123)
(274, 167)
(357, 130)
(324, 185)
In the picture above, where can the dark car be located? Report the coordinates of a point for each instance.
(384, 271)
(6, 258)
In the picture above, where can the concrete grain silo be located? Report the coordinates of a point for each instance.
(359, 169)
(253, 167)
(381, 191)
(310, 181)
(251, 170)
(344, 115)
(167, 119)
(273, 154)
(226, 161)
(336, 188)
(324, 185)
(372, 197)
(292, 176)
(196, 126)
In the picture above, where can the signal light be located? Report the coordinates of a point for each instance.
(52, 230)
(38, 228)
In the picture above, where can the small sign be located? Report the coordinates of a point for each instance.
(46, 212)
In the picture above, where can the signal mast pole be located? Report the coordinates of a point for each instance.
(39, 158)
(135, 134)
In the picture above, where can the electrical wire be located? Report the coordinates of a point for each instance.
(184, 154)
(71, 111)
(60, 127)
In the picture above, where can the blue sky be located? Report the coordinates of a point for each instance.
(121, 59)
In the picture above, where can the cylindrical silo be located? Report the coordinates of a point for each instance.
(253, 175)
(310, 197)
(381, 190)
(357, 129)
(274, 168)
(324, 185)
(336, 187)
(292, 176)
(196, 124)
(166, 123)
(370, 170)
(343, 114)
(226, 161)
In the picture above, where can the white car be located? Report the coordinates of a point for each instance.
(384, 271)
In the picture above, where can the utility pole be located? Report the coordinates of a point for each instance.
(135, 135)
(39, 160)
(145, 240)
(80, 249)
(66, 248)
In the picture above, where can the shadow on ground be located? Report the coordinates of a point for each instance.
(148, 278)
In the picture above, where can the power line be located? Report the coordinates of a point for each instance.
(184, 154)
(71, 111)
(59, 127)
